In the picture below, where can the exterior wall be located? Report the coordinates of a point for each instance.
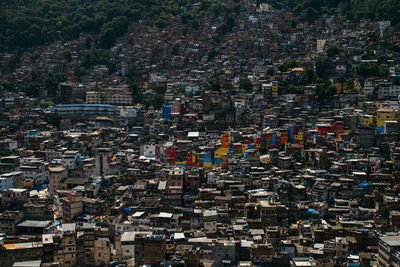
(93, 98)
(6, 182)
(384, 115)
(224, 252)
(101, 252)
(154, 250)
(56, 176)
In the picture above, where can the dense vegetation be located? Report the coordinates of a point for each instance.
(348, 9)
(26, 23)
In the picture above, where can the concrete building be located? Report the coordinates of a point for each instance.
(72, 205)
(57, 176)
(389, 246)
(6, 181)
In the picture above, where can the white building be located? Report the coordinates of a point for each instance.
(36, 170)
(368, 87)
(210, 221)
(151, 150)
(69, 158)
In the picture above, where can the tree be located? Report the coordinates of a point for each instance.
(228, 86)
(307, 77)
(181, 90)
(215, 85)
(135, 82)
(288, 65)
(366, 69)
(383, 58)
(321, 67)
(51, 85)
(332, 50)
(155, 101)
(348, 85)
(211, 54)
(324, 91)
(227, 24)
(68, 55)
(310, 14)
(295, 89)
(31, 85)
(245, 84)
(160, 22)
(9, 86)
(54, 119)
(4, 153)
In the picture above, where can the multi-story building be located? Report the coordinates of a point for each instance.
(210, 218)
(387, 90)
(9, 220)
(84, 109)
(385, 114)
(9, 163)
(176, 177)
(69, 250)
(368, 87)
(37, 170)
(6, 181)
(388, 250)
(72, 205)
(119, 96)
(154, 249)
(57, 175)
(366, 120)
(101, 251)
(224, 254)
(113, 95)
(93, 97)
(102, 165)
(69, 158)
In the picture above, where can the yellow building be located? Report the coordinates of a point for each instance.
(207, 164)
(385, 114)
(275, 88)
(221, 151)
(299, 136)
(366, 120)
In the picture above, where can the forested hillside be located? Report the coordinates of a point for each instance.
(28, 23)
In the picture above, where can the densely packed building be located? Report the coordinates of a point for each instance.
(216, 176)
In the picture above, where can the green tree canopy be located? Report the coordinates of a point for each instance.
(332, 50)
(245, 84)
